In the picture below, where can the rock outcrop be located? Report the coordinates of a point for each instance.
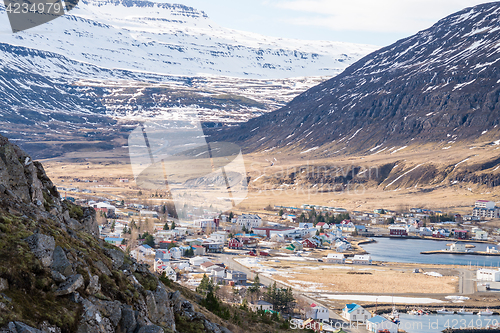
(57, 276)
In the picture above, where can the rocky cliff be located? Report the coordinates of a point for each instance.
(57, 276)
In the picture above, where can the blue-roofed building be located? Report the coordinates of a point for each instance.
(381, 324)
(114, 241)
(355, 312)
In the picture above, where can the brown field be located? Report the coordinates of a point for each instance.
(276, 188)
(362, 279)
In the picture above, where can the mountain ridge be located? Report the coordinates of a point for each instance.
(440, 85)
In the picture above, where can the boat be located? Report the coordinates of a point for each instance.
(463, 312)
(486, 312)
(444, 311)
(394, 316)
(413, 312)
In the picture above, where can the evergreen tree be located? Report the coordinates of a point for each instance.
(173, 225)
(149, 240)
(255, 287)
(204, 286)
(165, 227)
(281, 212)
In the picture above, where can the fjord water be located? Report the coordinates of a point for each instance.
(408, 251)
(437, 323)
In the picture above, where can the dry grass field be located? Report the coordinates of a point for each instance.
(362, 279)
(284, 179)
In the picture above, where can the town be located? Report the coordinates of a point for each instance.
(244, 254)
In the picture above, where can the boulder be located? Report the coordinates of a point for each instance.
(45, 327)
(164, 313)
(58, 277)
(92, 320)
(151, 329)
(94, 287)
(117, 257)
(60, 262)
(109, 309)
(71, 285)
(4, 284)
(23, 328)
(42, 247)
(128, 321)
(103, 268)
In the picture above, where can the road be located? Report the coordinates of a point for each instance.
(466, 283)
(228, 260)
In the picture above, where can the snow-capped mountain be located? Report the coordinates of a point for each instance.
(441, 85)
(161, 38)
(72, 78)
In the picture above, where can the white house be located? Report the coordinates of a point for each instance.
(458, 247)
(485, 204)
(381, 324)
(491, 275)
(197, 261)
(220, 236)
(249, 221)
(261, 305)
(204, 223)
(362, 260)
(306, 225)
(149, 214)
(176, 252)
(217, 271)
(354, 312)
(480, 234)
(318, 312)
(335, 258)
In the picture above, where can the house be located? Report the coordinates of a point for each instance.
(160, 262)
(148, 214)
(249, 221)
(192, 241)
(198, 250)
(235, 243)
(176, 252)
(114, 240)
(424, 231)
(163, 254)
(220, 237)
(491, 275)
(480, 234)
(335, 258)
(206, 223)
(461, 234)
(362, 260)
(213, 247)
(457, 247)
(354, 312)
(206, 266)
(197, 261)
(217, 271)
(237, 277)
(311, 243)
(437, 234)
(381, 324)
(485, 209)
(295, 246)
(320, 225)
(318, 312)
(306, 225)
(398, 231)
(249, 241)
(261, 305)
(169, 272)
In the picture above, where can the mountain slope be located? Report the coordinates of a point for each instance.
(441, 85)
(162, 38)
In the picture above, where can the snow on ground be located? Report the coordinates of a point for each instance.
(383, 299)
(435, 274)
(457, 298)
